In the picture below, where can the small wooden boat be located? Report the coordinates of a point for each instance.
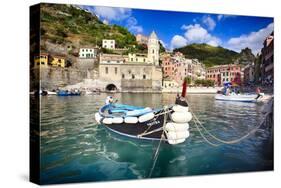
(169, 123)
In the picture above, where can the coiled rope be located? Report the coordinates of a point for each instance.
(196, 121)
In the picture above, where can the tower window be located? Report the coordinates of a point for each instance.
(133, 76)
(144, 76)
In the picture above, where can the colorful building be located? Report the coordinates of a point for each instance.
(177, 67)
(225, 73)
(57, 61)
(41, 60)
(267, 54)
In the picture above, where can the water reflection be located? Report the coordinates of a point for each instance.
(74, 148)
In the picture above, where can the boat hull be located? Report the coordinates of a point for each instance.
(135, 130)
(237, 98)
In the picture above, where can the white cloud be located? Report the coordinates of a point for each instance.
(111, 13)
(209, 22)
(133, 26)
(178, 41)
(224, 16)
(197, 34)
(219, 17)
(253, 40)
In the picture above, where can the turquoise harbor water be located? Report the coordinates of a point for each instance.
(74, 148)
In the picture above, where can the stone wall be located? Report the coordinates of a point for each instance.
(55, 77)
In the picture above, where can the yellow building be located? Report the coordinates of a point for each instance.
(41, 60)
(58, 61)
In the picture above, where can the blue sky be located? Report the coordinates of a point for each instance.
(176, 29)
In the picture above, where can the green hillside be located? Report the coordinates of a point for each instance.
(209, 55)
(62, 24)
(68, 24)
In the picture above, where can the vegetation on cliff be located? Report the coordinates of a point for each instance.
(208, 54)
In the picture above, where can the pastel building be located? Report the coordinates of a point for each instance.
(225, 73)
(267, 54)
(112, 59)
(108, 43)
(88, 52)
(58, 61)
(41, 60)
(137, 58)
(177, 67)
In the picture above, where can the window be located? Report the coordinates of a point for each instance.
(108, 61)
(115, 70)
(82, 50)
(132, 59)
(106, 70)
(118, 61)
(123, 76)
(143, 60)
(144, 76)
(136, 59)
(111, 42)
(42, 63)
(38, 63)
(133, 76)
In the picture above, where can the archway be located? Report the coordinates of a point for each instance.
(111, 87)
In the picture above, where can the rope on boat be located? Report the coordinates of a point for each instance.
(165, 112)
(196, 120)
(156, 154)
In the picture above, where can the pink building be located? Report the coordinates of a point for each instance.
(177, 67)
(225, 73)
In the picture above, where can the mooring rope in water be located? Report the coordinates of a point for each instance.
(202, 135)
(156, 154)
(225, 141)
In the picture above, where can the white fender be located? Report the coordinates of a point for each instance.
(107, 121)
(131, 119)
(117, 120)
(178, 108)
(173, 142)
(177, 135)
(146, 117)
(176, 127)
(181, 117)
(98, 117)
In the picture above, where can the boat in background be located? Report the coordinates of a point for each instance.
(68, 93)
(238, 97)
